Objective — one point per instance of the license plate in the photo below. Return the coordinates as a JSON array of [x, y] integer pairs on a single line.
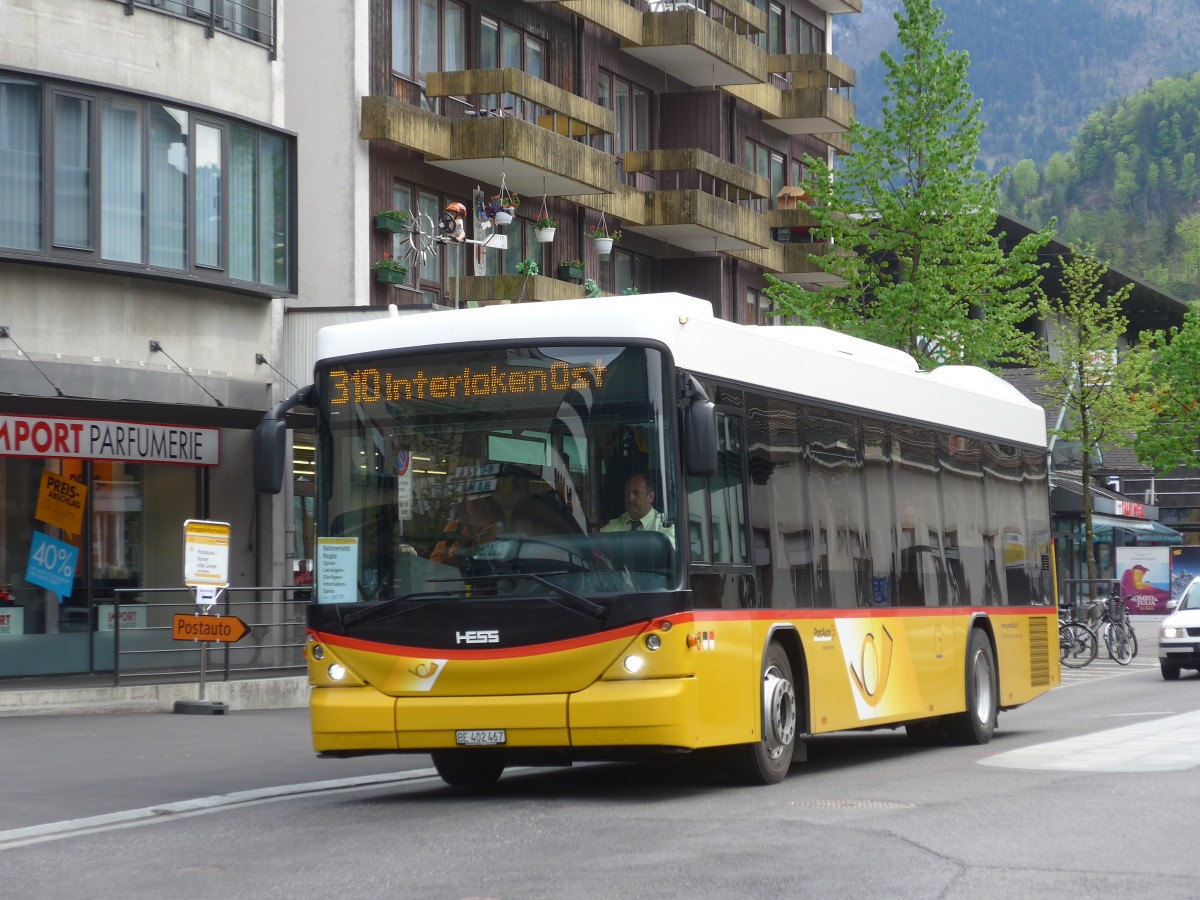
[[480, 738]]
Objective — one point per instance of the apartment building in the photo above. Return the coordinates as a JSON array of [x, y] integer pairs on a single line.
[[677, 124]]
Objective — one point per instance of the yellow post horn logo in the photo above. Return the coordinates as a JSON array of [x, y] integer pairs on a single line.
[[875, 665]]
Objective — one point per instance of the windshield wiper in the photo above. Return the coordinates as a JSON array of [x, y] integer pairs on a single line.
[[576, 603], [388, 606]]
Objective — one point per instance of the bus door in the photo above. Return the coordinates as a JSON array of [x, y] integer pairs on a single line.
[[721, 578]]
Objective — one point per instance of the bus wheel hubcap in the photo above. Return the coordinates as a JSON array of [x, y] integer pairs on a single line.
[[779, 712]]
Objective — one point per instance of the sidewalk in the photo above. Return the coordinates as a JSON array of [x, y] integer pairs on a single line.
[[95, 694]]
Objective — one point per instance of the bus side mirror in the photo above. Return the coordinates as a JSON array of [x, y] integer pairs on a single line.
[[699, 430], [270, 442]]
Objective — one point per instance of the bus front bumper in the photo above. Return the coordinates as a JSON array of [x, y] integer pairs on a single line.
[[608, 714]]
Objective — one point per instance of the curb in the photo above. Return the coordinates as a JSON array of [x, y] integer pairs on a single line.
[[266, 693]]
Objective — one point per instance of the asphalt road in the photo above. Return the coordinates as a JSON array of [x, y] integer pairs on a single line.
[[110, 806]]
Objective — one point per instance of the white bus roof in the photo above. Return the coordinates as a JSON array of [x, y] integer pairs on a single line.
[[811, 362]]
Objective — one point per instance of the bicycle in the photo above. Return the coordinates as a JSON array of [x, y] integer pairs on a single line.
[[1109, 620], [1077, 644]]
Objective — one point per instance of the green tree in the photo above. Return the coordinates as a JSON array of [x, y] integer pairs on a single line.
[[1103, 387], [1171, 439], [923, 270], [1025, 180]]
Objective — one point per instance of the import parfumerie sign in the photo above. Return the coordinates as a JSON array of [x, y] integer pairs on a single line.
[[105, 439]]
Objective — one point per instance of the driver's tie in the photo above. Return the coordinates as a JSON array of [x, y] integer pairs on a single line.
[[635, 525]]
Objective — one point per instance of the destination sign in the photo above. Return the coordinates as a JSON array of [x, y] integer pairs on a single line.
[[371, 385]]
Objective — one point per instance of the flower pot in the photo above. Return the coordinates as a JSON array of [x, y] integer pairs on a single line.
[[567, 272], [391, 224], [603, 245], [390, 276], [503, 216], [545, 235]]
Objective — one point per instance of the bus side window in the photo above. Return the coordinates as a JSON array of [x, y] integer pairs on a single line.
[[727, 493]]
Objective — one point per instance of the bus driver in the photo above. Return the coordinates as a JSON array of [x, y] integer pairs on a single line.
[[640, 514]]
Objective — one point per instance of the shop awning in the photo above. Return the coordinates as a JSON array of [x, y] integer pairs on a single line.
[[1143, 530]]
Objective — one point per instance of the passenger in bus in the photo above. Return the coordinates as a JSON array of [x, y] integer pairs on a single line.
[[302, 579], [640, 514], [479, 520]]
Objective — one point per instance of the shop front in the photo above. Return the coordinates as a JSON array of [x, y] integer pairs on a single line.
[[91, 506], [1120, 526]]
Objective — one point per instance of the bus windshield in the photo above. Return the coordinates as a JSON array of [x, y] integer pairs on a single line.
[[495, 472]]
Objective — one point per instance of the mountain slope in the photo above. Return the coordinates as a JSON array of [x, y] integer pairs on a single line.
[[1039, 66]]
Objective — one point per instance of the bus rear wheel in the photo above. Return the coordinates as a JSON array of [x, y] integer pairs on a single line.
[[978, 723], [469, 768], [767, 761]]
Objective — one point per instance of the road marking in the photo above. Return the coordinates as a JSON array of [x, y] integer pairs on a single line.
[[1164, 745], [131, 818]]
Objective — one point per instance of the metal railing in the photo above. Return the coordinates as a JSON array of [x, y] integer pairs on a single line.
[[144, 646], [251, 20]]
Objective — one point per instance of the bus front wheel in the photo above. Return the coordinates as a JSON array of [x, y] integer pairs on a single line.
[[767, 761], [978, 723], [469, 768]]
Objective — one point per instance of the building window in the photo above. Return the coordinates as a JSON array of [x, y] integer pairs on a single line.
[[755, 310], [203, 198], [804, 37], [775, 32], [770, 164], [72, 171], [625, 270], [631, 105], [428, 36], [501, 46], [402, 198]]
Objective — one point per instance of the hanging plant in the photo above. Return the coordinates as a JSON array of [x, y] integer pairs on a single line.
[[503, 204], [603, 238], [544, 228], [600, 232]]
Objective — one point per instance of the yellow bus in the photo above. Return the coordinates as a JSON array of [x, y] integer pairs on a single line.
[[621, 528]]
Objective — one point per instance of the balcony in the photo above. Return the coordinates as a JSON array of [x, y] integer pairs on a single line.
[[542, 149], [700, 47], [698, 206], [792, 262], [815, 103], [699, 50], [835, 7], [486, 290]]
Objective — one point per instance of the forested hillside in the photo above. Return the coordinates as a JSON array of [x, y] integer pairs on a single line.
[[1129, 186], [1039, 66], [1094, 103]]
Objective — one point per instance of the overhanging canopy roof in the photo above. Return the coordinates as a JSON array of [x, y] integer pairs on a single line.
[[1144, 530]]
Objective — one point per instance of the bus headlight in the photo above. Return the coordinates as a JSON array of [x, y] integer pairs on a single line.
[[633, 664], [653, 642], [337, 672], [318, 652]]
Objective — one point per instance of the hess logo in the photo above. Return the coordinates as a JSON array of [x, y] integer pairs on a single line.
[[477, 637]]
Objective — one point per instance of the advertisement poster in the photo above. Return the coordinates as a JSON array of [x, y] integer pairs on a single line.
[[1185, 566], [1145, 579]]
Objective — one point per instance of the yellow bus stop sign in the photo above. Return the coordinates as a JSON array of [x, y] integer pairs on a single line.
[[205, 553]]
